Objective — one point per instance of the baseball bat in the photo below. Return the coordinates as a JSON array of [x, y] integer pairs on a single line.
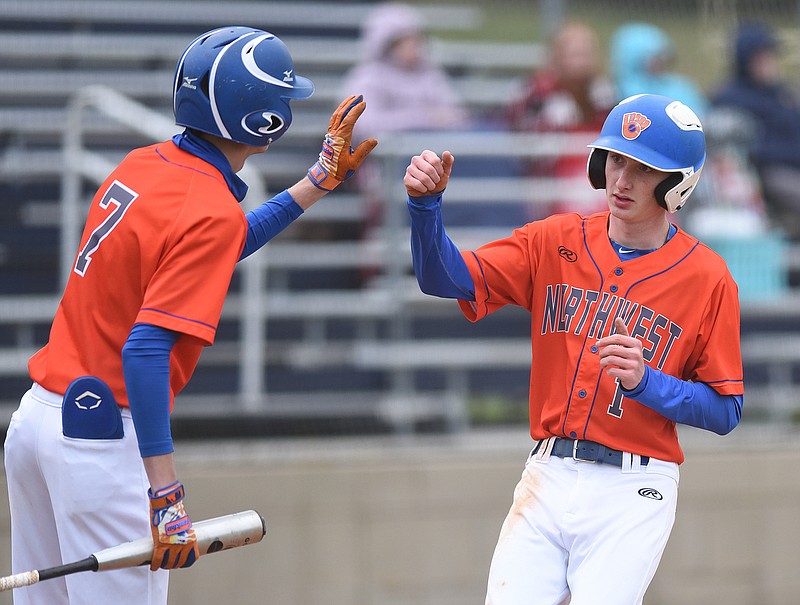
[[213, 535]]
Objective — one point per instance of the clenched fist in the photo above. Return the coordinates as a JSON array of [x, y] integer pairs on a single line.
[[428, 173]]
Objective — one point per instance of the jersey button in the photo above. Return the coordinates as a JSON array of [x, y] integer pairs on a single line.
[[613, 288], [573, 434], [618, 271], [594, 349], [582, 393]]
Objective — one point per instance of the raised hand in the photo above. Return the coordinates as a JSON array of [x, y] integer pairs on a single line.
[[338, 160]]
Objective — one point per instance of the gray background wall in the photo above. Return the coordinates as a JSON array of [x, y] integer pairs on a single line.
[[396, 522]]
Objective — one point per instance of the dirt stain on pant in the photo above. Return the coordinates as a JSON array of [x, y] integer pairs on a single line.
[[525, 498]]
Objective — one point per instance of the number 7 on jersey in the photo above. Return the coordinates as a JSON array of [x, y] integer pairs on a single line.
[[122, 197]]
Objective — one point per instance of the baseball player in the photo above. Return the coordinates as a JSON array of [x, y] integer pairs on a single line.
[[89, 454], [634, 328]]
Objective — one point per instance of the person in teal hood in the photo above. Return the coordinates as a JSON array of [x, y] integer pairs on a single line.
[[642, 57]]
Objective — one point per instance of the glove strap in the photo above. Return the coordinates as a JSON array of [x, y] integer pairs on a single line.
[[323, 173], [164, 499]]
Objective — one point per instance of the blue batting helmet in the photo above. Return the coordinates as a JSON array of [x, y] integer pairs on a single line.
[[659, 132], [236, 83]]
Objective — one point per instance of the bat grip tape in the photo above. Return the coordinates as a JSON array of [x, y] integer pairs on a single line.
[[88, 564]]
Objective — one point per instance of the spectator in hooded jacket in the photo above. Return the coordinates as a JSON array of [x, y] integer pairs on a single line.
[[758, 91], [642, 59], [406, 91]]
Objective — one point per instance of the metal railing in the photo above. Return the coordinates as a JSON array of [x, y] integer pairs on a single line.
[[252, 306], [392, 298]]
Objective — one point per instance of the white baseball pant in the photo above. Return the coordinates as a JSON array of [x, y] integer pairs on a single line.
[[70, 498], [583, 533]]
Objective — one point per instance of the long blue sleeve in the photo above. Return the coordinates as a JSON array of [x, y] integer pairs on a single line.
[[692, 403], [145, 363], [438, 265], [268, 220]]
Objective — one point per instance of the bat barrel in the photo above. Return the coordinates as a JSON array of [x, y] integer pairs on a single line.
[[230, 531], [213, 535]]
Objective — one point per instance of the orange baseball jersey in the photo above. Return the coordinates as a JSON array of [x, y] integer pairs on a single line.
[[161, 241], [680, 301]]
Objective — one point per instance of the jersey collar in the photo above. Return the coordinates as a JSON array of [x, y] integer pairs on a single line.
[[191, 143], [624, 253]]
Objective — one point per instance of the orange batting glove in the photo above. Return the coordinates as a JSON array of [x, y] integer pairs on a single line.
[[174, 540], [338, 160]]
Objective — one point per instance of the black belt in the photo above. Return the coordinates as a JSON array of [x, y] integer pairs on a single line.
[[587, 451]]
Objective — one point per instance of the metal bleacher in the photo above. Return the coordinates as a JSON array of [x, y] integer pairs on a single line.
[[305, 339], [319, 333]]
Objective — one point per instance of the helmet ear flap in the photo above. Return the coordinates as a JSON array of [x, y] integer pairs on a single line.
[[596, 168], [665, 186]]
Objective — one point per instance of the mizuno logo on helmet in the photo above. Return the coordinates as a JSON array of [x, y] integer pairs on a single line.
[[633, 124], [249, 62], [287, 75], [189, 82]]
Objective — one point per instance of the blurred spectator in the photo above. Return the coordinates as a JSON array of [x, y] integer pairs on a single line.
[[763, 97], [642, 61], [729, 202], [571, 93], [404, 90]]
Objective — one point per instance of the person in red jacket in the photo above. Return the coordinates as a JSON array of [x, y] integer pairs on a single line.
[[569, 94]]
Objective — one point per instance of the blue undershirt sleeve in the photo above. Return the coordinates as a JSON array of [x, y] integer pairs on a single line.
[[438, 265], [268, 220], [692, 403], [145, 363]]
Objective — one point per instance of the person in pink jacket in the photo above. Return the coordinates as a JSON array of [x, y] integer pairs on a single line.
[[406, 89]]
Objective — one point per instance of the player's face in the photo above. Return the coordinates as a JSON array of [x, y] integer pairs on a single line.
[[630, 188]]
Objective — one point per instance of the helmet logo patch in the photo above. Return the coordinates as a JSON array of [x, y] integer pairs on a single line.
[[633, 124], [262, 122], [287, 76], [189, 82]]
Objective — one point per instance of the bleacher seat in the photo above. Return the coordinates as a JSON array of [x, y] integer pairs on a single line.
[[346, 332]]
